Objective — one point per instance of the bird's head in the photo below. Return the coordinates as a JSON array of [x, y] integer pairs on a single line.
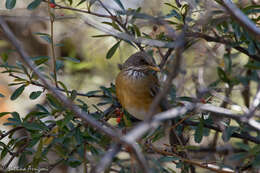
[[140, 64]]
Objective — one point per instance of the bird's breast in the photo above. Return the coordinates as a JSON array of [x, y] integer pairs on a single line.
[[134, 93]]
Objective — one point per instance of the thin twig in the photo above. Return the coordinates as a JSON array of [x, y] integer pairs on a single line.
[[52, 16], [192, 162], [10, 131], [165, 57], [106, 159]]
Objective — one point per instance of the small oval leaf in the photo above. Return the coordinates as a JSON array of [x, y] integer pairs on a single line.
[[34, 4], [112, 50], [17, 92], [9, 4], [119, 3], [34, 95]]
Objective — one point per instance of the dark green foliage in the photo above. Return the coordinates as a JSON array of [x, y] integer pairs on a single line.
[[9, 4]]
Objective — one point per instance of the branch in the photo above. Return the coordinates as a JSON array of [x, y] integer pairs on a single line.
[[67, 103], [79, 10], [52, 17], [114, 134], [174, 70], [127, 37], [10, 131], [242, 19], [192, 162]]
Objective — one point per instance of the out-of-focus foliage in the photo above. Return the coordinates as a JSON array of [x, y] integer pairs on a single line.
[[219, 56]]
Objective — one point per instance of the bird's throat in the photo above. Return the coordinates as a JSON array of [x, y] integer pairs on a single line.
[[135, 74]]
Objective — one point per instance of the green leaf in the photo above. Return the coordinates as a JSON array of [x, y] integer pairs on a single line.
[[73, 95], [34, 4], [243, 146], [70, 1], [91, 2], [75, 60], [9, 4], [137, 31], [199, 132], [3, 153], [22, 162], [92, 93], [34, 126], [120, 4], [15, 120], [168, 159], [34, 95], [113, 24], [222, 75], [254, 65], [44, 36], [64, 87], [42, 108], [112, 50], [73, 162], [53, 101], [38, 60], [175, 14], [254, 150], [102, 35], [17, 92], [4, 113], [4, 56], [238, 156], [1, 95], [81, 2], [256, 162], [251, 48], [228, 133], [172, 6]]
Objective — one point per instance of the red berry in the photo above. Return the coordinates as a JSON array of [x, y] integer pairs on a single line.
[[117, 111], [203, 101], [52, 5], [118, 119]]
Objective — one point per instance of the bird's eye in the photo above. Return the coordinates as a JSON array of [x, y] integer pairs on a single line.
[[142, 61]]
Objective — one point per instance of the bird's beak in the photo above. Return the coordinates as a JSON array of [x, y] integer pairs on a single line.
[[154, 68]]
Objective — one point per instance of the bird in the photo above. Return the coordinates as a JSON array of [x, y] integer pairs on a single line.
[[137, 85]]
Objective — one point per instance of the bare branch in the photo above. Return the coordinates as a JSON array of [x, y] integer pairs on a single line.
[[127, 37]]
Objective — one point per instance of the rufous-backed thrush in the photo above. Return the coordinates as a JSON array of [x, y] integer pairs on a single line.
[[137, 85]]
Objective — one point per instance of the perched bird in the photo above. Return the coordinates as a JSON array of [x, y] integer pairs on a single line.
[[137, 85]]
